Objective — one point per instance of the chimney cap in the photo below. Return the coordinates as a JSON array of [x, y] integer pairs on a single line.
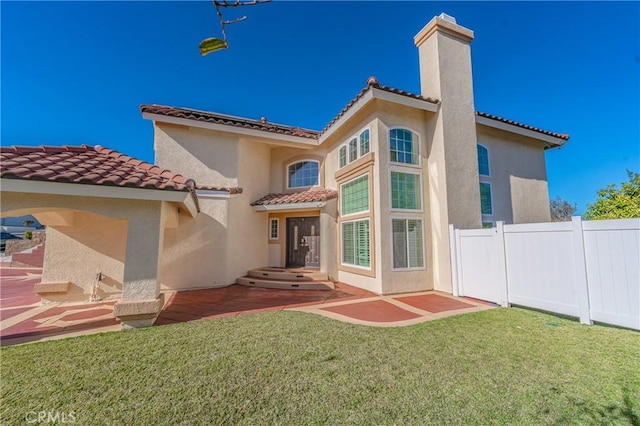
[[263, 120], [447, 18]]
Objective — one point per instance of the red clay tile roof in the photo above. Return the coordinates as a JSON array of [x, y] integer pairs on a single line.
[[211, 117], [233, 190], [562, 136], [297, 197], [373, 82], [87, 165]]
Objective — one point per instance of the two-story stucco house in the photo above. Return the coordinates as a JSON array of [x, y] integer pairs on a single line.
[[367, 200]]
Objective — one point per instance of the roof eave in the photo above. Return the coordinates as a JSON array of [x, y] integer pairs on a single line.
[[312, 205], [272, 137], [90, 190], [549, 140]]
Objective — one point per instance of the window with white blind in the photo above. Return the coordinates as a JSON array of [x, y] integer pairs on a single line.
[[354, 195], [405, 191], [356, 249], [408, 244]]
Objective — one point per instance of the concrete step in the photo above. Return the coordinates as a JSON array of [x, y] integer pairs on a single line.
[[284, 284], [302, 275]]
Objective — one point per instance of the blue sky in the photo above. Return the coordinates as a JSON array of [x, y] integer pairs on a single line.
[[76, 72]]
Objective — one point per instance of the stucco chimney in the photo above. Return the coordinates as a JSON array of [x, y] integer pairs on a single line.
[[445, 74]]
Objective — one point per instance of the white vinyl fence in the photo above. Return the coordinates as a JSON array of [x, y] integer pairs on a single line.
[[586, 269]]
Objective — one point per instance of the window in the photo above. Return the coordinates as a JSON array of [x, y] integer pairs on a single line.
[[403, 146], [354, 195], [355, 243], [343, 156], [357, 146], [274, 229], [405, 191], [483, 161], [303, 174], [407, 243], [364, 142], [353, 150], [485, 198]]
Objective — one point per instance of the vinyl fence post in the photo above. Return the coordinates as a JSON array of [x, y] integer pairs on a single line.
[[454, 261], [503, 284], [580, 268]]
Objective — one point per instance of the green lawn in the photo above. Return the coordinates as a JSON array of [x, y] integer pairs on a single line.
[[502, 366]]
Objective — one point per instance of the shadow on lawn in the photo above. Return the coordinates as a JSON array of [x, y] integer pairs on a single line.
[[624, 412]]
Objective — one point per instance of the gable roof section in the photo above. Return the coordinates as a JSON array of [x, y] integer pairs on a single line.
[[319, 195], [87, 165], [372, 83]]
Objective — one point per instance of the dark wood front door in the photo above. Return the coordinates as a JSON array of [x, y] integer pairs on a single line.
[[303, 242]]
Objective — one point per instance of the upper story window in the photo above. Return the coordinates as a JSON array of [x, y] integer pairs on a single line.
[[483, 161], [405, 191], [304, 174], [404, 146], [354, 195], [355, 148]]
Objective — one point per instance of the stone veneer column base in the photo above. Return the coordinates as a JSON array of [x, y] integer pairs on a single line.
[[138, 313]]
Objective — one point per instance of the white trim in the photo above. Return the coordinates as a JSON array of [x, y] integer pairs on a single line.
[[345, 144], [424, 259], [419, 153], [350, 265], [286, 173], [277, 221], [412, 171], [313, 205], [488, 161], [208, 194], [100, 191], [368, 196], [497, 124], [355, 108], [295, 141]]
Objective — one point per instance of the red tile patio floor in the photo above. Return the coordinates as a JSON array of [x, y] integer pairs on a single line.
[[24, 318], [375, 311], [238, 299]]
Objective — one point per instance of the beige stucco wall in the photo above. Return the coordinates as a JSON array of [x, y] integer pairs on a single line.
[[211, 159], [282, 157], [226, 239], [397, 116], [91, 244], [87, 235], [518, 176]]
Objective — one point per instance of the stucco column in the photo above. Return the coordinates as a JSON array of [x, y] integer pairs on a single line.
[[141, 299], [445, 74], [328, 240]]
